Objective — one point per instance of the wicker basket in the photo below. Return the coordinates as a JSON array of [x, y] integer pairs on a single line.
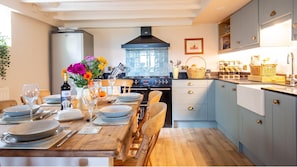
[[263, 70], [195, 72]]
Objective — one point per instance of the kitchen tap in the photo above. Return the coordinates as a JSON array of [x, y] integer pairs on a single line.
[[293, 80]]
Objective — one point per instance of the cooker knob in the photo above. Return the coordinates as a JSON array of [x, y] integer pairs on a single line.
[[136, 82]]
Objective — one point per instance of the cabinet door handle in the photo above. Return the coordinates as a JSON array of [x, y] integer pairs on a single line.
[[259, 121], [190, 84], [275, 101], [294, 25], [223, 86], [190, 108], [273, 13], [190, 92], [233, 89], [254, 38]]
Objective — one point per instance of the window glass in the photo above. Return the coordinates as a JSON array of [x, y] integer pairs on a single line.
[[5, 28]]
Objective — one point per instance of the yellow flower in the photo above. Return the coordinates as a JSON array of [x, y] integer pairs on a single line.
[[101, 66], [102, 60]]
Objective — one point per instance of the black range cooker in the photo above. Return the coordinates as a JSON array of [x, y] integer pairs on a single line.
[[144, 85]]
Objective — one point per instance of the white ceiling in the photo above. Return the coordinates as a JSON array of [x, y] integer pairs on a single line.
[[126, 13]]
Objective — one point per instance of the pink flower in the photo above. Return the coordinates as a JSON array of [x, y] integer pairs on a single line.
[[77, 68]]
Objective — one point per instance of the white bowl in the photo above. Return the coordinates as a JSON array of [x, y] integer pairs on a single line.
[[19, 110], [53, 99], [34, 130], [115, 111]]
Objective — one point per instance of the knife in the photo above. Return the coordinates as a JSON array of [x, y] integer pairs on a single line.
[[66, 138]]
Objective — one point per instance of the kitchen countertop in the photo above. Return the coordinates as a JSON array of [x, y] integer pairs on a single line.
[[280, 88]]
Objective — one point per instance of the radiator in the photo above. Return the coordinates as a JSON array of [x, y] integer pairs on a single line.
[[4, 93]]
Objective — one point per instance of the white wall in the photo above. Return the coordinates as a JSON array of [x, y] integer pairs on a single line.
[[108, 42], [29, 55]]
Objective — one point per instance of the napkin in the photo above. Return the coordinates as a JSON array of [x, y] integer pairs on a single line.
[[90, 130], [67, 115]]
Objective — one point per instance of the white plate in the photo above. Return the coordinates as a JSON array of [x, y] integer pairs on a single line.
[[19, 110], [115, 111], [34, 130]]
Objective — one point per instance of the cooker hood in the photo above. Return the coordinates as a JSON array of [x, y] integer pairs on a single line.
[[146, 40]]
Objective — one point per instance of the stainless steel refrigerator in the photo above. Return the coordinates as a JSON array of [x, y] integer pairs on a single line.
[[68, 48]]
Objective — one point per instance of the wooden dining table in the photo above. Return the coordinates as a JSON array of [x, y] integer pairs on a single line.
[[100, 149]]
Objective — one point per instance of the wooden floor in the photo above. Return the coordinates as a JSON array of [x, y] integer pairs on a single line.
[[195, 147]]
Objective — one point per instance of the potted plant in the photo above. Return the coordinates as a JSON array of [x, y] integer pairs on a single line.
[[4, 57]]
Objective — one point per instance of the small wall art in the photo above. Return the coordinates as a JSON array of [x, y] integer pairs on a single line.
[[194, 46]]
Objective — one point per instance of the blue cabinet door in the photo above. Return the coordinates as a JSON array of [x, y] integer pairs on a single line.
[[227, 110], [253, 138], [280, 110]]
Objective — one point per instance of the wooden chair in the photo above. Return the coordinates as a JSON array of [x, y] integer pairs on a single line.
[[42, 93], [7, 103], [150, 131], [153, 98]]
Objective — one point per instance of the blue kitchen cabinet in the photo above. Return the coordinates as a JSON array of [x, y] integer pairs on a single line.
[[253, 137], [245, 26], [280, 110], [226, 109], [193, 103], [271, 10]]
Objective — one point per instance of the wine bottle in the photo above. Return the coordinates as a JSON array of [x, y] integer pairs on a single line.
[[65, 93]]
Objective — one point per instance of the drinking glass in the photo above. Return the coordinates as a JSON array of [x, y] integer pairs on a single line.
[[90, 96], [30, 94], [112, 80]]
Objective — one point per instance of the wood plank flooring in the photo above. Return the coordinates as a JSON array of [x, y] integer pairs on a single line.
[[195, 147]]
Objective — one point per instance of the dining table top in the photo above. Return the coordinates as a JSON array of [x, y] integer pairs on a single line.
[[109, 142]]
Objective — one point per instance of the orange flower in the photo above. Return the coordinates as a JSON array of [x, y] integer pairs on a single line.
[[88, 75]]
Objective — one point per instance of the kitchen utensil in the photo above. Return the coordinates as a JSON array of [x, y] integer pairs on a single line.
[[69, 135]]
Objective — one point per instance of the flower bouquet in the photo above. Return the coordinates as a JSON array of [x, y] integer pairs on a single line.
[[86, 70]]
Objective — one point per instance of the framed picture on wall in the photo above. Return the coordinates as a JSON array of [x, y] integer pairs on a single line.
[[194, 46]]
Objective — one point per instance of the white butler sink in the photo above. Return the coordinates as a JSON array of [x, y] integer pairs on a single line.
[[251, 97]]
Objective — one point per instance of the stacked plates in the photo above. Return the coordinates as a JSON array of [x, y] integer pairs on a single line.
[[115, 113], [31, 131], [53, 99], [128, 97], [19, 110]]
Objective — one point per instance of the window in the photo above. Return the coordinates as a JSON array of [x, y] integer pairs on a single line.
[[5, 28]]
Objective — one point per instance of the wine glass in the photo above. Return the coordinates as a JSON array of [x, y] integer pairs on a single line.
[[90, 96], [112, 80], [30, 94]]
